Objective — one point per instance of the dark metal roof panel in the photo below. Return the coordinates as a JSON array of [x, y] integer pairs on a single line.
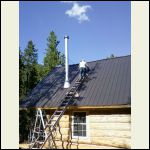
[[109, 83]]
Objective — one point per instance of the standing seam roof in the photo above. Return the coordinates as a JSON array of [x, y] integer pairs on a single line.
[[108, 83]]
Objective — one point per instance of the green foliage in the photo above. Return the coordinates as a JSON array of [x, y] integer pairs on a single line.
[[30, 73], [26, 122], [53, 56], [30, 62], [40, 71], [111, 56], [28, 78], [33, 78], [30, 54], [62, 59], [22, 77]]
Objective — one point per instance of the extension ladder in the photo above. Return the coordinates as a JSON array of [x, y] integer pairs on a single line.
[[50, 126]]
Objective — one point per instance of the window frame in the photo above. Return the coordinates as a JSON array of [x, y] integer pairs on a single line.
[[87, 125]]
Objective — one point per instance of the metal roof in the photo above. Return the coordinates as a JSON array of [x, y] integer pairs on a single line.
[[109, 83]]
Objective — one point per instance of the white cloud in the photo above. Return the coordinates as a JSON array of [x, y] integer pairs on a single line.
[[79, 12], [69, 2]]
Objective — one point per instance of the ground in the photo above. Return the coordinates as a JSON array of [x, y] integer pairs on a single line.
[[23, 146]]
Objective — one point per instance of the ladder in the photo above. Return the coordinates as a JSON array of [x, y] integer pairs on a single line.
[[50, 126], [38, 131]]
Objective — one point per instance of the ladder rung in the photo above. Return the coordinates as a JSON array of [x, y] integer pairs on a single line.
[[53, 120], [62, 108], [36, 132], [73, 87], [58, 111], [63, 104], [56, 115], [39, 142], [78, 82], [49, 125], [68, 97], [72, 90], [71, 93], [65, 101]]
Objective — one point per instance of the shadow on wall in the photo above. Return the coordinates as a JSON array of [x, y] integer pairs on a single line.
[[66, 142], [69, 140]]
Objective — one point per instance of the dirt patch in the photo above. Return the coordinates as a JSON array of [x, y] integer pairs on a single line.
[[23, 146]]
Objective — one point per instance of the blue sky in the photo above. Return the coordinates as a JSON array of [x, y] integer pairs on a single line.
[[96, 29]]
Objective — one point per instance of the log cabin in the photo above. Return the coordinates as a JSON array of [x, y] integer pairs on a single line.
[[100, 118]]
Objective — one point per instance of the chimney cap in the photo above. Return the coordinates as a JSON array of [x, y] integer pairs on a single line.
[[66, 36]]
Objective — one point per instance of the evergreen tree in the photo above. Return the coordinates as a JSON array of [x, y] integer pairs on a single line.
[[21, 75], [28, 78], [26, 122], [111, 56], [62, 59], [30, 54], [30, 61], [53, 56], [30, 72], [40, 69]]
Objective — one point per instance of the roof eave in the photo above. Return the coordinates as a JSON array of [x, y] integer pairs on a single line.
[[80, 107]]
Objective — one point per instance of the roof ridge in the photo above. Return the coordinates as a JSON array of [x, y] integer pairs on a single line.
[[103, 59]]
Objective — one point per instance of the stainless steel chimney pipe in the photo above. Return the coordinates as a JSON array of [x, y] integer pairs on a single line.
[[66, 84]]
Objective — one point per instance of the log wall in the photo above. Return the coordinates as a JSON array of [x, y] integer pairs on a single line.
[[105, 131]]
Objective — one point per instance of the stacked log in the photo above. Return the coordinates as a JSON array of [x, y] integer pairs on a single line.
[[103, 131]]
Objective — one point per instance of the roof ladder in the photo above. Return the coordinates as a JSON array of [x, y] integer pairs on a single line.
[[50, 126]]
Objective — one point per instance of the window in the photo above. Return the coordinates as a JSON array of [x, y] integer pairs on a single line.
[[79, 124]]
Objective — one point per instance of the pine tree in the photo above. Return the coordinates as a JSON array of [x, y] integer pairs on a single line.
[[40, 69], [62, 59], [26, 122], [30, 72], [21, 75], [53, 56], [28, 78], [111, 56], [30, 61]]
